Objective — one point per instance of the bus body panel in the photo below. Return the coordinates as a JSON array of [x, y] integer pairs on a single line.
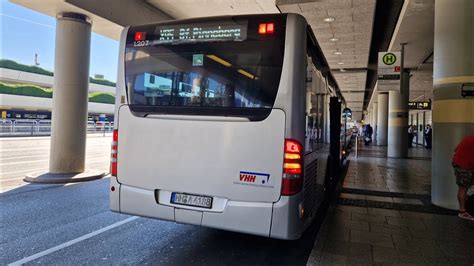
[[114, 195], [237, 160], [286, 222], [235, 217], [246, 217], [291, 95], [141, 202], [121, 93], [161, 154]]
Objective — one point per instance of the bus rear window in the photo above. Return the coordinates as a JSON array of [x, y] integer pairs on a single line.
[[229, 77]]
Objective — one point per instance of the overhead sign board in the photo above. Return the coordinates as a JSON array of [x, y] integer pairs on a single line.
[[467, 89], [389, 70], [419, 105], [210, 31], [347, 112]]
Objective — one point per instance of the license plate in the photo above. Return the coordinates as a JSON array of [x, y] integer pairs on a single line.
[[191, 200]]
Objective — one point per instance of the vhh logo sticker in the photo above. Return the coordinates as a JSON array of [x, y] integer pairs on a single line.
[[254, 179], [247, 178]]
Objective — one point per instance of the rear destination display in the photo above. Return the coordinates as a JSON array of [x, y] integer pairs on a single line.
[[200, 32]]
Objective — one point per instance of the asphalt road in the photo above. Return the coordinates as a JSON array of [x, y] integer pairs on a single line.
[[72, 224], [21, 155]]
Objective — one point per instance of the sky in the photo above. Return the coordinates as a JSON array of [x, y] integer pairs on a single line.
[[25, 32]]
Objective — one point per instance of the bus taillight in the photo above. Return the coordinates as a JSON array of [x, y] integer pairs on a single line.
[[113, 157], [266, 28], [292, 182]]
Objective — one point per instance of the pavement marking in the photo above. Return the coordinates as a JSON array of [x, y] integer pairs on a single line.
[[47, 155], [94, 146], [40, 151], [22, 171], [47, 160], [45, 170], [71, 242]]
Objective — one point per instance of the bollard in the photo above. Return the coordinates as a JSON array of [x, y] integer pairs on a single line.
[[357, 145]]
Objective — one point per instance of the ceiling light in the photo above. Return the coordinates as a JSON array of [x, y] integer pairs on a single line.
[[334, 39], [329, 19], [247, 74], [219, 60], [341, 63], [338, 53]]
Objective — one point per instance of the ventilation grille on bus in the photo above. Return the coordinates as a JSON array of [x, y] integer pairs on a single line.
[[310, 200]]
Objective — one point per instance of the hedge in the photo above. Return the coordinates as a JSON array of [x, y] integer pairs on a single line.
[[25, 90], [4, 63], [101, 97], [9, 64], [102, 82], [37, 91]]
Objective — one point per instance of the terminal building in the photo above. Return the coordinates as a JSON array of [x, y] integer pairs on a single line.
[[26, 93]]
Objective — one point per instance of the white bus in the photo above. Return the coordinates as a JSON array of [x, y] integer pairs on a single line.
[[212, 125]]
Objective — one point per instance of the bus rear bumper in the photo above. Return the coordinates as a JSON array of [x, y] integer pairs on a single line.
[[287, 223], [244, 217]]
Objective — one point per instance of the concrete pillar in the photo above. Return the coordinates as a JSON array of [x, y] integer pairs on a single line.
[[70, 95], [70, 98], [374, 120], [453, 115], [398, 119], [382, 118]]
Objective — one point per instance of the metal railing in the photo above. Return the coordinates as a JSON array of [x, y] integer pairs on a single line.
[[29, 127]]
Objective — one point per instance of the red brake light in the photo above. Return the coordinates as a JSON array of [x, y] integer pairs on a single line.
[[266, 28], [292, 182], [113, 156], [291, 186], [140, 36], [292, 146], [270, 27]]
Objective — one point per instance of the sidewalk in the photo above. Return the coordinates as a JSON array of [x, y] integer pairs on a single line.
[[384, 216]]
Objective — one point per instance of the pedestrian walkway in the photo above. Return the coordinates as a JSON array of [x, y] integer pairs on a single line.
[[371, 170], [384, 216]]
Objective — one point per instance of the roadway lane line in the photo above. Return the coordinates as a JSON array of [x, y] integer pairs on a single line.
[[106, 160], [23, 171], [47, 160], [71, 242], [95, 147], [24, 149], [47, 155], [96, 135]]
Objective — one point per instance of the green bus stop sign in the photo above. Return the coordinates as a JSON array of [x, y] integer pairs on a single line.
[[389, 59]]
